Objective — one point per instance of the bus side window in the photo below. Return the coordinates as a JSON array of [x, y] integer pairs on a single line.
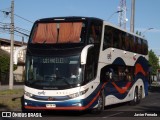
[[136, 44], [145, 47], [120, 38], [95, 33], [139, 46], [108, 37], [131, 43], [127, 42], [92, 35], [123, 41], [90, 66], [115, 38]]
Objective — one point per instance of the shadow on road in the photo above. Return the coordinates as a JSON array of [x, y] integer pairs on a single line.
[[3, 107], [154, 89], [152, 108]]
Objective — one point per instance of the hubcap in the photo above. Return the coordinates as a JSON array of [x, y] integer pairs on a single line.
[[100, 103]]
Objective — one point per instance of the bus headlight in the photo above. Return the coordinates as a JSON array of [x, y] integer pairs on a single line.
[[28, 94], [74, 95]]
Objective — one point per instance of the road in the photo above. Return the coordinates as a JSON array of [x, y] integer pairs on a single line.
[[148, 106]]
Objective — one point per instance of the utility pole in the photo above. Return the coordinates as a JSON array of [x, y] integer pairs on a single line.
[[12, 46], [132, 16], [122, 15]]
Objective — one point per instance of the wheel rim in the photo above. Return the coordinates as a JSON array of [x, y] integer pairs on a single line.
[[100, 103], [140, 94], [135, 97]]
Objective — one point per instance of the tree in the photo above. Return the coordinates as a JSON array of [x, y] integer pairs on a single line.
[[4, 67], [140, 34], [153, 61], [4, 63]]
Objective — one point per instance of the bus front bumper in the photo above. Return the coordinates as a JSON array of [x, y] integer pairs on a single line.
[[69, 105]]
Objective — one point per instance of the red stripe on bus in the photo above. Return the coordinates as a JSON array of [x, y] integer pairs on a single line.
[[139, 68], [122, 90]]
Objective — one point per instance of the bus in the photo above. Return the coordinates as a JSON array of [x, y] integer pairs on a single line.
[[83, 63]]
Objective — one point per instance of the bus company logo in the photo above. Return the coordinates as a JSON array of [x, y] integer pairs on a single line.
[[134, 58], [41, 93], [109, 56]]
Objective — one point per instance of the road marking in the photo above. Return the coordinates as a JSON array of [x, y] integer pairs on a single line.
[[113, 115]]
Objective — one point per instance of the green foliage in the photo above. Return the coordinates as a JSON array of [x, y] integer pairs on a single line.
[[153, 61], [4, 64], [138, 33]]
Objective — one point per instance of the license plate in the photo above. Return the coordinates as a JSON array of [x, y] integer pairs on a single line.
[[50, 105]]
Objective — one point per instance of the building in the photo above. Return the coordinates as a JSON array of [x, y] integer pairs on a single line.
[[5, 49]]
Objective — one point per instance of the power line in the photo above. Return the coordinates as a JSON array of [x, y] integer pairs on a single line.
[[8, 30], [23, 18], [7, 13], [5, 25]]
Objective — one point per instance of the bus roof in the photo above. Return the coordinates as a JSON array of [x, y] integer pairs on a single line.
[[69, 18]]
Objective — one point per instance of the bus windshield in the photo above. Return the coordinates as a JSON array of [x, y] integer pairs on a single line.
[[62, 32], [53, 72]]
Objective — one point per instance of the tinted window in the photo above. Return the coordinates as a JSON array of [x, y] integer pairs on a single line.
[[127, 42], [131, 43], [145, 47], [119, 39], [139, 46], [108, 37], [116, 38], [118, 73]]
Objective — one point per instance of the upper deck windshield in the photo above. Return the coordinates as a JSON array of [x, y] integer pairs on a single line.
[[53, 72], [58, 32]]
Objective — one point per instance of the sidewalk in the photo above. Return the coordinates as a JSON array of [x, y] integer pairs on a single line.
[[6, 87]]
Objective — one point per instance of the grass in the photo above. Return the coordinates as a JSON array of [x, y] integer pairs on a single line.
[[11, 92], [10, 99]]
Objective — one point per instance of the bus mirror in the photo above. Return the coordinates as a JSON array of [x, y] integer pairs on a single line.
[[84, 54]]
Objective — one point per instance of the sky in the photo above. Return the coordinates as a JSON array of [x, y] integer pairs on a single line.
[[146, 15]]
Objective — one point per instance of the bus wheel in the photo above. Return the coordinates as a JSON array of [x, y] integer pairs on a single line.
[[135, 99], [100, 105]]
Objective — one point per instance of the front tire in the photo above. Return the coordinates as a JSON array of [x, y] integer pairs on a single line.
[[100, 104], [135, 99]]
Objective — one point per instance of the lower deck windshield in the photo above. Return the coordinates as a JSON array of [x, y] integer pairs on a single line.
[[53, 72]]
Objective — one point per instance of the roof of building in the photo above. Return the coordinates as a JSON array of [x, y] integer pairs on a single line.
[[6, 42]]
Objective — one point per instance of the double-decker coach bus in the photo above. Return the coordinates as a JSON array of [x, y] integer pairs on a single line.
[[81, 63]]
